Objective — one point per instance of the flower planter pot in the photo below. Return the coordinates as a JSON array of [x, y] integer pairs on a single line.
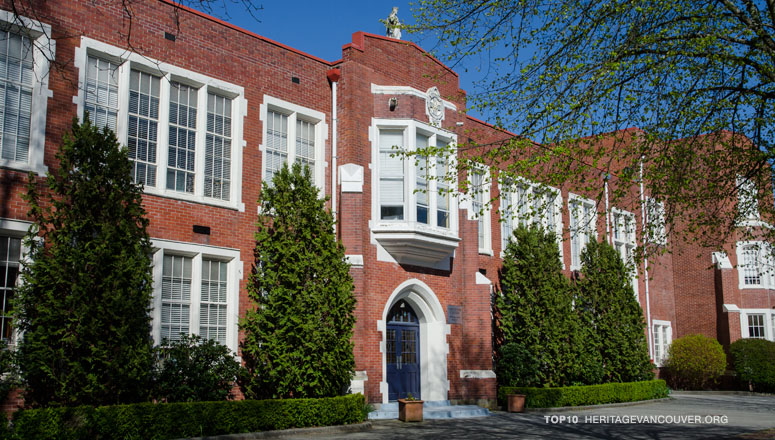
[[410, 410], [516, 402]]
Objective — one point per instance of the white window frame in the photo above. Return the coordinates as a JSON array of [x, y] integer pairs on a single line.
[[622, 220], [128, 61], [44, 49], [655, 222], [574, 229], [411, 129], [765, 264], [666, 329], [747, 199], [485, 247], [197, 253], [295, 112], [16, 229], [509, 202], [769, 322]]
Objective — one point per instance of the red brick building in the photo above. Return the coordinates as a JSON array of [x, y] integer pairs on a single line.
[[209, 111]]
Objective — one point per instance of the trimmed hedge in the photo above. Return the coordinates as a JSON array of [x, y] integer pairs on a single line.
[[158, 421], [754, 362], [587, 395]]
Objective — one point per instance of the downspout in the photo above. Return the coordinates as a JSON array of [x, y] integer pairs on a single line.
[[607, 211], [333, 76], [644, 218]]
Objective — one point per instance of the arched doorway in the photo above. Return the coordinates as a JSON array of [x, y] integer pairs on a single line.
[[402, 352], [423, 312]]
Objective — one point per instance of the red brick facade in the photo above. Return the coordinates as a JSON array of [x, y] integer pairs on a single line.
[[373, 70]]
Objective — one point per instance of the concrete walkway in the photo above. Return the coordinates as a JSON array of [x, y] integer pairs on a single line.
[[684, 416]]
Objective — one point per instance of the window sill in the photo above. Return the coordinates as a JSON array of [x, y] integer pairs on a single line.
[[415, 243], [754, 223], [169, 194], [38, 169]]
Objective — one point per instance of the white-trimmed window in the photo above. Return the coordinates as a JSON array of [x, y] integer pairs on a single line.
[[655, 222], [11, 256], [663, 336], [624, 235], [479, 189], [526, 203], [758, 323], [583, 226], [196, 292], [747, 199], [292, 134], [755, 268], [25, 53], [183, 130], [412, 189]]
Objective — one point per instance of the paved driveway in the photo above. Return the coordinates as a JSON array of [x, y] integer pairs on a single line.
[[685, 416]]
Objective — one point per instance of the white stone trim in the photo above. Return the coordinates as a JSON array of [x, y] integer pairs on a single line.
[[721, 260], [477, 374], [293, 111], [44, 49], [354, 260], [406, 90], [351, 178], [168, 72], [197, 252], [434, 347], [731, 308], [486, 247]]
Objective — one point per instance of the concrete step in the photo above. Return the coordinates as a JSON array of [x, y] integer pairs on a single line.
[[439, 409]]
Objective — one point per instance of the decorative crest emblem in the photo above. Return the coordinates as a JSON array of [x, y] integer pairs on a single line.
[[434, 106]]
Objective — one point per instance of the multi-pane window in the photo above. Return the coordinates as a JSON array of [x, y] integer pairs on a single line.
[[524, 203], [179, 127], [480, 196], [662, 338], [755, 265], [182, 138], [422, 174], [102, 92], [218, 147], [175, 297], [412, 188], [195, 292], [655, 222], [305, 145], [292, 134], [16, 83], [10, 255], [213, 307], [747, 199], [391, 175], [756, 325], [583, 228], [144, 90], [624, 235], [443, 189], [276, 144]]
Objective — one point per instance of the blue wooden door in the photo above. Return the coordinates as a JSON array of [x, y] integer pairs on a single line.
[[402, 352]]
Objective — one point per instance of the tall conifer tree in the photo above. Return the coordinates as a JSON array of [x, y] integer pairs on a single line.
[[298, 339], [608, 307], [83, 305]]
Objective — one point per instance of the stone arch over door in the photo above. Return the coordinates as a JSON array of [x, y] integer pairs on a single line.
[[433, 339]]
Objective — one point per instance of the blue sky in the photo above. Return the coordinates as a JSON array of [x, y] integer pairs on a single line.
[[322, 28]]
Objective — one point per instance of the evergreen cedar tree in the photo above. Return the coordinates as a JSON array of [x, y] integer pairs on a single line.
[[553, 333], [83, 303], [607, 306], [298, 338]]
